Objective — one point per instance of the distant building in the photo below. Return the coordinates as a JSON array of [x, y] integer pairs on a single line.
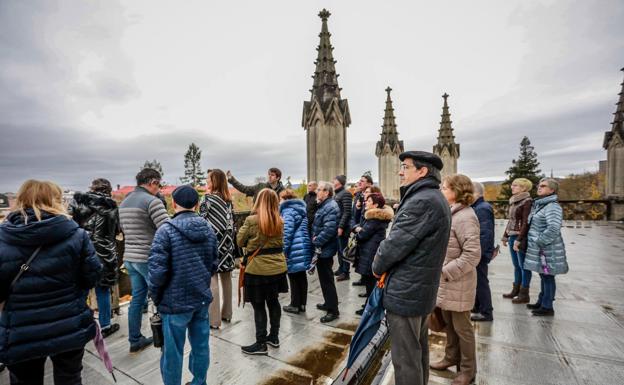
[[4, 201], [388, 149], [614, 144], [326, 116], [446, 148]]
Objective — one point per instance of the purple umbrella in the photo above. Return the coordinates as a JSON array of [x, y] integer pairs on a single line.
[[100, 346]]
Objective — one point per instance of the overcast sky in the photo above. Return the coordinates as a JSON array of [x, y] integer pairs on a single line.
[[94, 88]]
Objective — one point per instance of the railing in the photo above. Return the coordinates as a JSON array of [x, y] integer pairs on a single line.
[[584, 210]]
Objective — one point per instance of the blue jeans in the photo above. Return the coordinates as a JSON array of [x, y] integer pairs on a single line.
[[521, 276], [138, 280], [547, 292], [103, 297], [174, 331], [343, 241]]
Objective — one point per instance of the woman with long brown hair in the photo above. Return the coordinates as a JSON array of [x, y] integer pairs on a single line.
[[50, 295], [216, 207], [265, 275]]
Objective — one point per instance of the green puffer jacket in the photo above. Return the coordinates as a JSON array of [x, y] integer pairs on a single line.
[[545, 235]]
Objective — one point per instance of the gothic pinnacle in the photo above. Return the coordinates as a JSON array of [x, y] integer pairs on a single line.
[[324, 14]]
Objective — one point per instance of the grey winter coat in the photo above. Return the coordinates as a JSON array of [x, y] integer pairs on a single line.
[[414, 250], [140, 214], [545, 235]]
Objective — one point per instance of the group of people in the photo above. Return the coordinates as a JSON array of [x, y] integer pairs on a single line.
[[434, 246]]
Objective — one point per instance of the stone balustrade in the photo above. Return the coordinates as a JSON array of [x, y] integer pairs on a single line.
[[585, 210]]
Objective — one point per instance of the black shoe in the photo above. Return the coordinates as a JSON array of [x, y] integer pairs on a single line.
[[474, 310], [342, 277], [359, 312], [543, 312], [337, 273], [273, 341], [143, 343], [321, 306], [329, 317], [291, 309], [534, 306], [357, 283], [481, 318], [256, 349], [302, 308], [227, 320], [110, 330], [362, 295]]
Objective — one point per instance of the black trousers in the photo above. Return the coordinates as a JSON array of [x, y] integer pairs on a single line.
[[328, 285], [298, 288], [483, 301], [260, 318], [67, 369], [369, 282]]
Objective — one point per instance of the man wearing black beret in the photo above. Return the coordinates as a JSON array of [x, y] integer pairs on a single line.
[[412, 256]]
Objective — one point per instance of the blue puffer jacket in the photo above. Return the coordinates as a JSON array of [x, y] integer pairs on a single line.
[[182, 260], [485, 214], [46, 312], [545, 235], [325, 228], [297, 244]]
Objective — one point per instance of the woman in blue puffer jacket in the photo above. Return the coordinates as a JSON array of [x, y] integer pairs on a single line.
[[297, 248], [546, 253], [45, 312]]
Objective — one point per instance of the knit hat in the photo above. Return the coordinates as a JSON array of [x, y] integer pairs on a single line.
[[342, 179], [185, 196]]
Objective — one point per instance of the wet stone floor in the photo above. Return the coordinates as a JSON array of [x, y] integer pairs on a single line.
[[582, 344]]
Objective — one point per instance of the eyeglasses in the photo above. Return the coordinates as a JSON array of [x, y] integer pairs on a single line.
[[542, 186], [406, 166]]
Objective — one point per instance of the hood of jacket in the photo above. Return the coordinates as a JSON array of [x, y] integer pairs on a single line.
[[85, 204], [540, 202], [31, 232], [294, 204], [383, 214], [191, 226]]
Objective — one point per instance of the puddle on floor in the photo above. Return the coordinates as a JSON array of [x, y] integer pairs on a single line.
[[320, 360]]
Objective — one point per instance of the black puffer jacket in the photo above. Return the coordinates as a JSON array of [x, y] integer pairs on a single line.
[[414, 251], [373, 232], [344, 200], [46, 312], [99, 216]]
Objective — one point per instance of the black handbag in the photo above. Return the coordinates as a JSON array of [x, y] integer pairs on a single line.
[[157, 330], [350, 252]]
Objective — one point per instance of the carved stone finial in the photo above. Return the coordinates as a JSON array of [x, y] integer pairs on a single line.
[[445, 96], [388, 90], [324, 14]]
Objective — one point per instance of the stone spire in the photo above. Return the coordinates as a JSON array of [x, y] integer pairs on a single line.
[[326, 116], [614, 144], [446, 148], [389, 134], [388, 149]]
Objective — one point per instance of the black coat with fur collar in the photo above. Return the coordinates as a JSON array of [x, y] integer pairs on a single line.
[[373, 232], [99, 216]]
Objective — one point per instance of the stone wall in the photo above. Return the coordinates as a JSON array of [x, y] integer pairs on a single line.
[[588, 210]]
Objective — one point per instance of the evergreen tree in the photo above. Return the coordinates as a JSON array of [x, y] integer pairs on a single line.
[[192, 166], [526, 166], [154, 164]]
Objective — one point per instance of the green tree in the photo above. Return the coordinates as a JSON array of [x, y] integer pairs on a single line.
[[302, 190], [154, 164], [192, 166], [526, 166]]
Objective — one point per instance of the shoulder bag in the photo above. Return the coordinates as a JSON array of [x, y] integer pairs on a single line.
[[22, 270]]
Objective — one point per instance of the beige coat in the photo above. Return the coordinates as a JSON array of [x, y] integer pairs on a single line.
[[458, 283]]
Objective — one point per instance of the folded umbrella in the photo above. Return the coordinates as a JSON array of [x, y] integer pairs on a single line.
[[100, 346], [371, 319]]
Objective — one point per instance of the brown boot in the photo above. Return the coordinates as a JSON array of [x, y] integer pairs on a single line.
[[463, 379], [443, 365], [514, 292], [523, 296]]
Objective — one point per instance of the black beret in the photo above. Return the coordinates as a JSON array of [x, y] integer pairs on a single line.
[[423, 156]]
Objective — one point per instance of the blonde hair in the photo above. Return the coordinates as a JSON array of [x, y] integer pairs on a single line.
[[40, 196], [526, 184], [462, 187], [270, 222]]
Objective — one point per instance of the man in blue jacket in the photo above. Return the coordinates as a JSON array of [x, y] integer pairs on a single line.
[[182, 261], [483, 303]]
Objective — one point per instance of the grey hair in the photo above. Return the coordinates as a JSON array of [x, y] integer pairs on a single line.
[[478, 189], [326, 186], [552, 184]]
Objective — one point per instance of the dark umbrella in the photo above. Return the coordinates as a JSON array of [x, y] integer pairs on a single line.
[[373, 314]]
